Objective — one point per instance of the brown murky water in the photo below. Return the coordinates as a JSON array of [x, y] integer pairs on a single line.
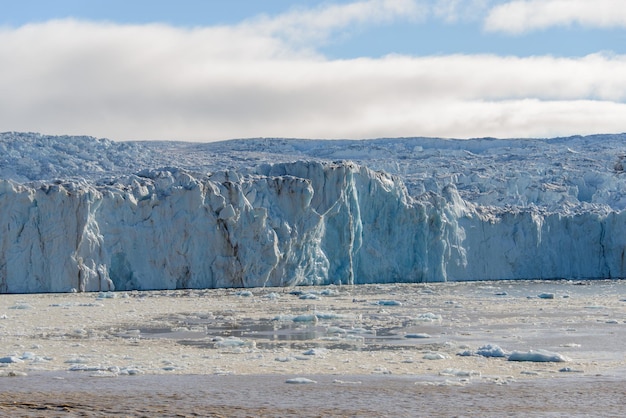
[[339, 396], [380, 350]]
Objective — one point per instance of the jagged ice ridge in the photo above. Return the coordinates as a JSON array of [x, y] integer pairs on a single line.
[[93, 214]]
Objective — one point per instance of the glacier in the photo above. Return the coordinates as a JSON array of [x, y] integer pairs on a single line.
[[87, 214]]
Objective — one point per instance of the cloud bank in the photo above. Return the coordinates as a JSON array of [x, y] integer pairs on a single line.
[[521, 16], [266, 78]]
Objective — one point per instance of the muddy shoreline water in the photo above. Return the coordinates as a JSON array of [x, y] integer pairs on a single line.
[[401, 350], [269, 395]]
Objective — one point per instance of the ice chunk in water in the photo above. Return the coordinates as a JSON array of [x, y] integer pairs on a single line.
[[537, 356], [490, 350], [300, 380]]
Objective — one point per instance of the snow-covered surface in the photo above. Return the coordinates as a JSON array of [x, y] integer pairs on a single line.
[[93, 214]]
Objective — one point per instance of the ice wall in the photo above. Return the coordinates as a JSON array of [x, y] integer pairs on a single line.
[[283, 224], [295, 223]]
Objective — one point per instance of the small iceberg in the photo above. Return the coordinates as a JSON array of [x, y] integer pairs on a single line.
[[428, 317], [490, 350], [244, 294], [459, 373], [232, 342], [435, 356], [10, 359], [418, 335], [538, 356], [305, 318], [388, 303], [315, 352], [300, 381]]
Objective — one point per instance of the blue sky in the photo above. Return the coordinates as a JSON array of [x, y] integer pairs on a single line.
[[209, 70], [425, 37]]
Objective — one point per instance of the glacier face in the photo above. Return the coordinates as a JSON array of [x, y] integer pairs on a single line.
[[89, 214], [291, 223]]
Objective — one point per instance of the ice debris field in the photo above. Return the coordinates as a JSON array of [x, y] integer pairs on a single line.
[[481, 331], [497, 348], [86, 214]]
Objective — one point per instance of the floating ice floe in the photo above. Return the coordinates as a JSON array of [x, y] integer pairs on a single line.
[[359, 330], [76, 360], [388, 303], [444, 383], [300, 381], [21, 305], [34, 358], [435, 356], [244, 293], [13, 373], [570, 345], [103, 371], [537, 356], [491, 350], [459, 373], [87, 368], [570, 370], [530, 372], [315, 352], [335, 330], [130, 372], [234, 342], [348, 382], [129, 333], [305, 318], [314, 317], [355, 338], [11, 359], [428, 317], [418, 335], [329, 315], [283, 318]]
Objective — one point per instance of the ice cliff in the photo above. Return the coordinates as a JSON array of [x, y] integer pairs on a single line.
[[88, 214]]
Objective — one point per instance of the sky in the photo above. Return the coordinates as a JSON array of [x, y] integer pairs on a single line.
[[199, 70]]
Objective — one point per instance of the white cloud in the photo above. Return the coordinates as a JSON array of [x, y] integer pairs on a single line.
[[301, 26], [521, 16], [249, 80]]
